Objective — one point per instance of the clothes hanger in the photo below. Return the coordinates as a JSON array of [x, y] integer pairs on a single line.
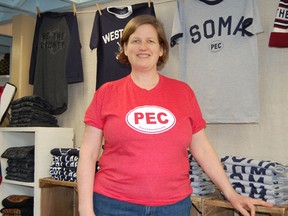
[[74, 9], [99, 9], [38, 11]]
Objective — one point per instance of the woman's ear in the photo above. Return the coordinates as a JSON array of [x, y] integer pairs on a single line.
[[161, 51], [125, 49]]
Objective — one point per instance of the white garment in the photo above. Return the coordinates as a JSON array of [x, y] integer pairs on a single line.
[[218, 57], [275, 167]]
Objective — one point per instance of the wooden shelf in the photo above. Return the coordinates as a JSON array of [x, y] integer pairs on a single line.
[[54, 197], [49, 182], [213, 205], [58, 197], [43, 139]]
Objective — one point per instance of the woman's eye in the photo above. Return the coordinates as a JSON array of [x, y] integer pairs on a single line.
[[135, 41]]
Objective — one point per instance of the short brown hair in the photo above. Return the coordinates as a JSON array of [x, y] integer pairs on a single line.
[[131, 27]]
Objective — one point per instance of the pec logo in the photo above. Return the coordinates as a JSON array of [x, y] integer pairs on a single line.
[[150, 119], [216, 46]]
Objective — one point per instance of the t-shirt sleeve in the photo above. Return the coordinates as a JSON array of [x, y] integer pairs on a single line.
[[258, 28], [197, 120], [177, 32], [95, 35], [33, 59], [93, 115]]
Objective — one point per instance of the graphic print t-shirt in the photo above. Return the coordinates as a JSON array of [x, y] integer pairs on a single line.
[[219, 57], [56, 58], [147, 134], [105, 36]]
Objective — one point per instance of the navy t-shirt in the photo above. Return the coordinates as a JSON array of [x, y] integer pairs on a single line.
[[106, 33]]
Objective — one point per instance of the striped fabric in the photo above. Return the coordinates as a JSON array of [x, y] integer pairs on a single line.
[[279, 34], [262, 179]]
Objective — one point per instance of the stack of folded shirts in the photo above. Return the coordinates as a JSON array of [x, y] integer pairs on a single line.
[[32, 111], [199, 181], [20, 162], [64, 164], [261, 179], [5, 65], [21, 205]]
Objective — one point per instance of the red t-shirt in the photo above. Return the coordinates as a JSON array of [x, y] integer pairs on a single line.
[[147, 134]]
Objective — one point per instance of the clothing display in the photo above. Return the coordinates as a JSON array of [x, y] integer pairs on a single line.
[[7, 96], [200, 182], [258, 178], [146, 133], [218, 57], [5, 64], [105, 36], [32, 111], [275, 167], [279, 34], [56, 58], [20, 162], [146, 123], [64, 164], [17, 205], [262, 179]]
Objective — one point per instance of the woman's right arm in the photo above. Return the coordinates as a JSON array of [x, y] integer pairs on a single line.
[[89, 153]]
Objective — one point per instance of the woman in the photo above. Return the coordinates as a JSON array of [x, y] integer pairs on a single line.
[[148, 122]]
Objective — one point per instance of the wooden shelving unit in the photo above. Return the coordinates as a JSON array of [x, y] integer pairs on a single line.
[[44, 139]]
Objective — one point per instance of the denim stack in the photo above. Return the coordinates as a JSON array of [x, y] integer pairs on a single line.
[[32, 111], [5, 64], [20, 162]]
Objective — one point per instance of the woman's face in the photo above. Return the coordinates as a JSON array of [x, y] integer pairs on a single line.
[[143, 49]]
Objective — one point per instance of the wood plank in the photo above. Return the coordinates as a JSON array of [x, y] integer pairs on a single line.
[[279, 210], [49, 182], [58, 197]]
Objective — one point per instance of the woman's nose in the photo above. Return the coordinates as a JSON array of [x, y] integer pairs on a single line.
[[143, 45]]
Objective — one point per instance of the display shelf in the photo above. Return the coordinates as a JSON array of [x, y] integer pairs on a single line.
[[26, 184], [58, 197], [44, 139], [214, 205]]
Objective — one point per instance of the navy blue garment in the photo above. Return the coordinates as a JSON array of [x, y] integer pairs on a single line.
[[105, 36], [32, 111], [106, 206], [20, 163], [56, 58]]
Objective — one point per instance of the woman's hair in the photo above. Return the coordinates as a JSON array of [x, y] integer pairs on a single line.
[[131, 27]]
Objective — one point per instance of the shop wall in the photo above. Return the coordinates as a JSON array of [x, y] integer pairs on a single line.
[[266, 140], [6, 29]]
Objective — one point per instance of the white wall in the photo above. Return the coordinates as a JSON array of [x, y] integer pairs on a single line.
[[266, 140]]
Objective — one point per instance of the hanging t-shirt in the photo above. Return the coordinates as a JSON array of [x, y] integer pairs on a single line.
[[106, 33], [219, 57], [56, 58], [145, 159], [279, 34]]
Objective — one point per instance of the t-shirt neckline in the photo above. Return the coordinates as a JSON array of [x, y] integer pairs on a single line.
[[120, 12], [135, 86]]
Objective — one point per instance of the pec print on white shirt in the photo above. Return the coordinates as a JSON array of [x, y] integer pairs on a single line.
[[150, 119]]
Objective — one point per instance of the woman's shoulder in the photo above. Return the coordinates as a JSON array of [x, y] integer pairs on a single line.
[[175, 82], [113, 84]]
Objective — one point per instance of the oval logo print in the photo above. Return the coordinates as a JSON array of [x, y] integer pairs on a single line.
[[216, 46], [150, 119]]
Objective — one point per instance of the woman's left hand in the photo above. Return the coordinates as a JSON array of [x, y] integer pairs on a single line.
[[246, 205]]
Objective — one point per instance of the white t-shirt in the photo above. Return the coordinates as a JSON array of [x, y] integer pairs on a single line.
[[219, 57]]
